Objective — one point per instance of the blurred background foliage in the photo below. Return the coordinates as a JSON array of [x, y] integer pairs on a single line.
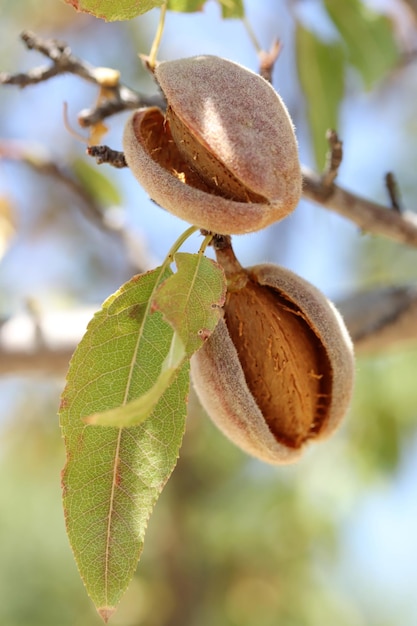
[[232, 542]]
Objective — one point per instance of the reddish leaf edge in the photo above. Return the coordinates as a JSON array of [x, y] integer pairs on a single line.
[[106, 612]]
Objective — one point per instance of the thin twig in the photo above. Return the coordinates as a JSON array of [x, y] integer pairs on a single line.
[[119, 96], [393, 191], [104, 154], [63, 61], [333, 158], [35, 157], [268, 59], [369, 216]]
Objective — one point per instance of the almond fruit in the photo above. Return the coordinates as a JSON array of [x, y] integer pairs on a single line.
[[278, 370], [224, 155]]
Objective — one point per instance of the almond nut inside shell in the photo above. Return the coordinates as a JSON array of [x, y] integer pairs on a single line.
[[224, 157], [285, 364], [278, 370]]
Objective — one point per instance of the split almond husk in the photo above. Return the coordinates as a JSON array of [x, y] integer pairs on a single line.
[[224, 156], [278, 371]]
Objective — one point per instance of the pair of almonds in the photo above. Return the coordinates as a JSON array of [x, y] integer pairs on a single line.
[[278, 370]]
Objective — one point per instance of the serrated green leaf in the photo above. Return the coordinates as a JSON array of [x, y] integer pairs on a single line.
[[230, 8], [190, 300], [137, 411], [186, 6], [368, 36], [96, 183], [112, 10], [113, 476], [321, 74]]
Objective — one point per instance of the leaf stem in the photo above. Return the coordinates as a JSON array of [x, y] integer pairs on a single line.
[[177, 245], [251, 34], [158, 36], [206, 242]]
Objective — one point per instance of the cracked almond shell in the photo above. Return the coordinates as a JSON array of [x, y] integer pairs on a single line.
[[224, 155], [278, 370]]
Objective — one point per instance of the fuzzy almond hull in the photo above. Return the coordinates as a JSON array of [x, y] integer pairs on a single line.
[[222, 388], [201, 208]]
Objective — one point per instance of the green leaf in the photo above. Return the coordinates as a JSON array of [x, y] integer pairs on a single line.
[[368, 36], [113, 476], [186, 6], [321, 73], [191, 301], [230, 8], [112, 10], [96, 183], [136, 412], [192, 298]]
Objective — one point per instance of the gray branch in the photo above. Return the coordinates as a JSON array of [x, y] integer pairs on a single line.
[[369, 216], [42, 344]]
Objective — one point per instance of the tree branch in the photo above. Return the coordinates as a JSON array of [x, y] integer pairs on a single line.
[[104, 154], [369, 216], [393, 191], [380, 318], [119, 97], [412, 5], [36, 157], [43, 362], [42, 343]]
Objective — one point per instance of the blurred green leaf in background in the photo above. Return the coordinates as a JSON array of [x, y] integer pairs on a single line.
[[320, 68], [366, 42], [368, 37]]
